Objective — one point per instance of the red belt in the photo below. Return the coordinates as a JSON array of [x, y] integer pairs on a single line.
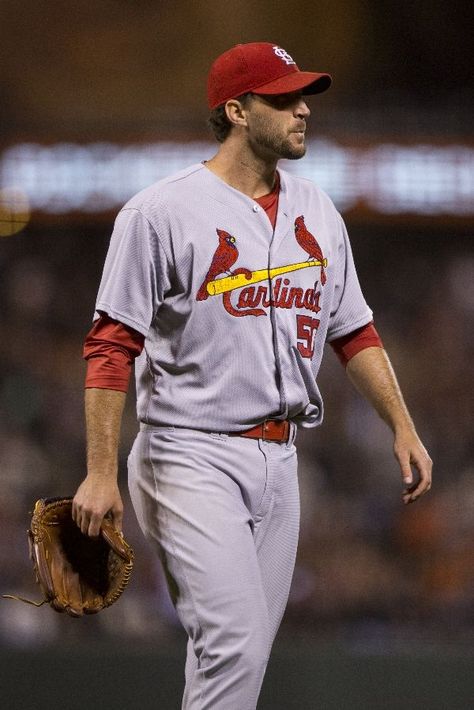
[[269, 430]]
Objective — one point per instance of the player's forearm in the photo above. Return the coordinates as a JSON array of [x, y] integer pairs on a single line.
[[372, 374], [103, 411]]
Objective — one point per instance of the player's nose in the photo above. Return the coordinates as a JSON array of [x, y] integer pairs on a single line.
[[302, 109]]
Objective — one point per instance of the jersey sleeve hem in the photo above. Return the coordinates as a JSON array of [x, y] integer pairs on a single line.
[[348, 328], [103, 384], [121, 317]]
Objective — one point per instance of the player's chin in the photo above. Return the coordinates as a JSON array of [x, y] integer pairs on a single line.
[[294, 149], [294, 152]]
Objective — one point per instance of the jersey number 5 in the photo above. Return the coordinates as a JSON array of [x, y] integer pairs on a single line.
[[306, 328]]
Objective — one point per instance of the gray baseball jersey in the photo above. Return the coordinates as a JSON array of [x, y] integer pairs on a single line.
[[235, 313]]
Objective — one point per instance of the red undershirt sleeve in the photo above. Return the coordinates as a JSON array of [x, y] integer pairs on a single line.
[[110, 348], [349, 345]]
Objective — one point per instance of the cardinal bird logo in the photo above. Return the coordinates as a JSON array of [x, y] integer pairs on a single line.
[[309, 243], [224, 258]]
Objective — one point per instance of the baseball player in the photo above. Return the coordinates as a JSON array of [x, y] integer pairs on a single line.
[[222, 283]]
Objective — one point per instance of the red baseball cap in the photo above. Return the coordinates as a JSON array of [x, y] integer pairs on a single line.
[[259, 68]]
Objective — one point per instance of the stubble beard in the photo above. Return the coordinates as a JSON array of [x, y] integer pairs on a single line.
[[292, 152], [268, 141]]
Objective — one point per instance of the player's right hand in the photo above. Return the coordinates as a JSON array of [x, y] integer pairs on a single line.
[[94, 499], [411, 453]]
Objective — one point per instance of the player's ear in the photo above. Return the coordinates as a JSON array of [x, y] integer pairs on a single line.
[[236, 112]]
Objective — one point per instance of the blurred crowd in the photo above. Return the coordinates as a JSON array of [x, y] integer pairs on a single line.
[[367, 567]]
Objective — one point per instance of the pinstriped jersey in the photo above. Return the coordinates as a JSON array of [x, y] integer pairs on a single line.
[[235, 313]]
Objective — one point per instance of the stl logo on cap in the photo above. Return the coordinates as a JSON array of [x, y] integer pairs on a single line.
[[283, 54]]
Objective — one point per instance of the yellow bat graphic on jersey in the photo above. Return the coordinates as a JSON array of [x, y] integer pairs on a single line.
[[229, 283]]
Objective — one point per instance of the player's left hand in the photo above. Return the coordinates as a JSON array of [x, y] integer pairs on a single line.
[[410, 454], [95, 498]]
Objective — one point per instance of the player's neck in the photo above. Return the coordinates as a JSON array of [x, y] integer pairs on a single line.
[[243, 170]]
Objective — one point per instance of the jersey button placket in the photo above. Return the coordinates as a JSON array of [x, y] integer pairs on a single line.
[[277, 338]]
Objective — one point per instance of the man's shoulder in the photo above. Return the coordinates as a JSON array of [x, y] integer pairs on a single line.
[[161, 191], [306, 187]]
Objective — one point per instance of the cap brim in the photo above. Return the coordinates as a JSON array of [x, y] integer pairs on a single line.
[[308, 82]]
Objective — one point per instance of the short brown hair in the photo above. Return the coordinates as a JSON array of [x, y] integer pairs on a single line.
[[218, 121]]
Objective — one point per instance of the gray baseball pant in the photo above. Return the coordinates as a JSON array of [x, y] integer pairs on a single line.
[[223, 514]]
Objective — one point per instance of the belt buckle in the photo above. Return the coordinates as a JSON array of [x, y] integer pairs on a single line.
[[276, 422], [265, 429]]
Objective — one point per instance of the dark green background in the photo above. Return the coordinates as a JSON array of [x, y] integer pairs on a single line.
[[299, 677]]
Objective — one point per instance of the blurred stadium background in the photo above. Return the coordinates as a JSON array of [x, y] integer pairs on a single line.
[[100, 99]]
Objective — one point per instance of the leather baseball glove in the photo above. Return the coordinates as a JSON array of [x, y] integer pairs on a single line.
[[76, 573]]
